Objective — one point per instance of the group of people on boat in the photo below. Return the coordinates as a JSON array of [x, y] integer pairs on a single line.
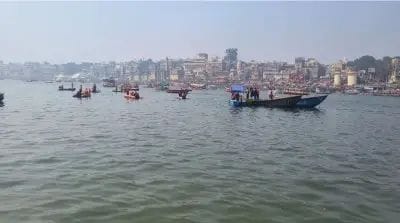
[[86, 93], [182, 93], [132, 94], [253, 93]]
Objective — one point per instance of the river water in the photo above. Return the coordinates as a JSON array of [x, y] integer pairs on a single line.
[[161, 159]]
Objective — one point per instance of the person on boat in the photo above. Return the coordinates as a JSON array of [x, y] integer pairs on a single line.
[[237, 96], [257, 94], [247, 94], [251, 92], [137, 96], [271, 95], [94, 88]]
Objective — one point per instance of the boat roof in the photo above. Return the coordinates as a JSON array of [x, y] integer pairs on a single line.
[[237, 88]]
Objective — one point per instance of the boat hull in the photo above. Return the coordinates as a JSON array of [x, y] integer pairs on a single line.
[[176, 91], [285, 102], [311, 102], [66, 89]]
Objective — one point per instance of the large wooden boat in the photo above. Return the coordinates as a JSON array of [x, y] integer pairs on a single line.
[[282, 102]]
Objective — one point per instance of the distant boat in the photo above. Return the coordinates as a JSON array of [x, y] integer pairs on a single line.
[[198, 86], [109, 82], [352, 92], [177, 90], [212, 87], [61, 88], [310, 101]]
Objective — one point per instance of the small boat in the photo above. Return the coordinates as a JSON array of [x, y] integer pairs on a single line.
[[311, 101], [109, 82], [177, 91], [132, 95], [82, 94], [198, 86], [61, 88], [95, 90]]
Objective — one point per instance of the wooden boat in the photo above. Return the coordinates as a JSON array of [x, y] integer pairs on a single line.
[[61, 88], [131, 97], [284, 102], [176, 91], [198, 86], [311, 101], [109, 82], [82, 94]]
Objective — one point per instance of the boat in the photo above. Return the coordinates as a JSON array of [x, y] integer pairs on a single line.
[[132, 95], [94, 89], [352, 92], [61, 88], [310, 101], [176, 91], [279, 102], [82, 93], [109, 82], [198, 86], [212, 87]]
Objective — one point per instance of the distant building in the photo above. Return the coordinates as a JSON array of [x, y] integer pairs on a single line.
[[351, 78], [395, 71]]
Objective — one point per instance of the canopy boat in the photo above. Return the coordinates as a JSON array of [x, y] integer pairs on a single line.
[[311, 101], [281, 102], [82, 94], [61, 88]]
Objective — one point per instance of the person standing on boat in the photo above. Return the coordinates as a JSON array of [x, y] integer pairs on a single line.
[[256, 94], [247, 94], [271, 95]]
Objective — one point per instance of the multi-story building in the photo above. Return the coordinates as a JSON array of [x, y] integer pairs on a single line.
[[395, 71]]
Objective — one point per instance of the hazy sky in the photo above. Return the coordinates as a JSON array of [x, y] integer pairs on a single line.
[[91, 31]]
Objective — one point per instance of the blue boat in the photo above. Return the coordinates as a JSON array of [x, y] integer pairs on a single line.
[[310, 101]]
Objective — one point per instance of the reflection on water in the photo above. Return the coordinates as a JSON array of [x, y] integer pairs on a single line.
[[161, 159]]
